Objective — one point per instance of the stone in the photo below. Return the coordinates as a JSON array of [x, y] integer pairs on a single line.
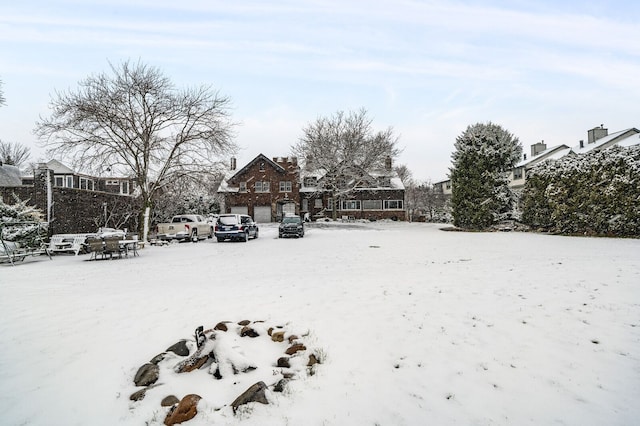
[[221, 326], [169, 401], [191, 364], [156, 359], [138, 395], [279, 387], [244, 322], [255, 393], [295, 348], [179, 348], [147, 375], [283, 362], [312, 360], [248, 331], [278, 336], [292, 338], [184, 411]]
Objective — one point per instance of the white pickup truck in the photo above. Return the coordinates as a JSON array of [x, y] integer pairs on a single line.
[[185, 227]]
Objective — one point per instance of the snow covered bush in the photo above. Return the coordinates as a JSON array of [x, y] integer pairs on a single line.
[[18, 214], [481, 194], [596, 194]]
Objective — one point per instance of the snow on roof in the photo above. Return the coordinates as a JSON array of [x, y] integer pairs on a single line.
[[604, 141], [554, 152], [58, 167]]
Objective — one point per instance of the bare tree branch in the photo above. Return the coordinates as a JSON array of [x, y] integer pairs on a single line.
[[14, 153], [136, 122]]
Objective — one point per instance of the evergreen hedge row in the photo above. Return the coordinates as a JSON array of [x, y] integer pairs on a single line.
[[597, 193]]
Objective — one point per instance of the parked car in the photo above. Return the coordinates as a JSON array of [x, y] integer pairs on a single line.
[[238, 227], [291, 226], [185, 227]]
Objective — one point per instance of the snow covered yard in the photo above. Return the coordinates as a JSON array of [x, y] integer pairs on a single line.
[[418, 326]]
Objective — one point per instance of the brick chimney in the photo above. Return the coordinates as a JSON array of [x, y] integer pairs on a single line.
[[597, 133], [537, 148]]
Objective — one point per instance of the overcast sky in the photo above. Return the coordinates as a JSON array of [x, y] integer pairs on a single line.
[[544, 70]]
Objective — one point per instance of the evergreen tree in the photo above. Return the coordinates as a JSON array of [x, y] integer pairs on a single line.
[[20, 222], [484, 153]]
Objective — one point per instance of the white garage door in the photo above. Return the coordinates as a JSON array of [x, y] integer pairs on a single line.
[[240, 209], [262, 214]]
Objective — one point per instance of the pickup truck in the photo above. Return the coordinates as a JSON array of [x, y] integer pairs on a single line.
[[185, 227]]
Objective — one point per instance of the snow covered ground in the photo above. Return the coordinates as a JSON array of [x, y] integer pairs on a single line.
[[416, 326]]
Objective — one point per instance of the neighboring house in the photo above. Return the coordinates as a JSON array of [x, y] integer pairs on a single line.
[[598, 139], [73, 202], [375, 195], [443, 187], [268, 189], [64, 177], [265, 189]]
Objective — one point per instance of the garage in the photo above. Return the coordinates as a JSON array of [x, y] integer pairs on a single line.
[[240, 209], [262, 214]]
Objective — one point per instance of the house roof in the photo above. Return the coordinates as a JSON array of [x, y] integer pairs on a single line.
[[549, 153], [58, 167], [10, 175], [612, 139], [260, 157], [231, 175]]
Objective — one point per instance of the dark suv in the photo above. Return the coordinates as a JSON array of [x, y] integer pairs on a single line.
[[239, 227], [291, 226]]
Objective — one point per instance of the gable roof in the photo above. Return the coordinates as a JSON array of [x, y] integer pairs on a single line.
[[604, 142], [260, 157], [58, 167]]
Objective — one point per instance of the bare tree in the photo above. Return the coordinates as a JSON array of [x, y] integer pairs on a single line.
[[344, 149], [135, 121], [14, 153]]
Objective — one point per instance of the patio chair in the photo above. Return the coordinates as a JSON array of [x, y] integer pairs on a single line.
[[112, 246], [96, 247]]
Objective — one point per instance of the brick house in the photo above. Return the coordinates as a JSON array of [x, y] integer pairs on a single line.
[[374, 195], [265, 188]]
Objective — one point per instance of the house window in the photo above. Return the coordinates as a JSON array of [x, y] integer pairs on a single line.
[[124, 188], [329, 203], [305, 204], [242, 186], [262, 166], [86, 184], [112, 183], [261, 186], [310, 181], [351, 205], [393, 204], [59, 181], [317, 203], [518, 173], [69, 182], [371, 204], [285, 186], [448, 184]]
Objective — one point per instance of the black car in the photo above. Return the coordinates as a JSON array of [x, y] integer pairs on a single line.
[[291, 226], [238, 227]]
